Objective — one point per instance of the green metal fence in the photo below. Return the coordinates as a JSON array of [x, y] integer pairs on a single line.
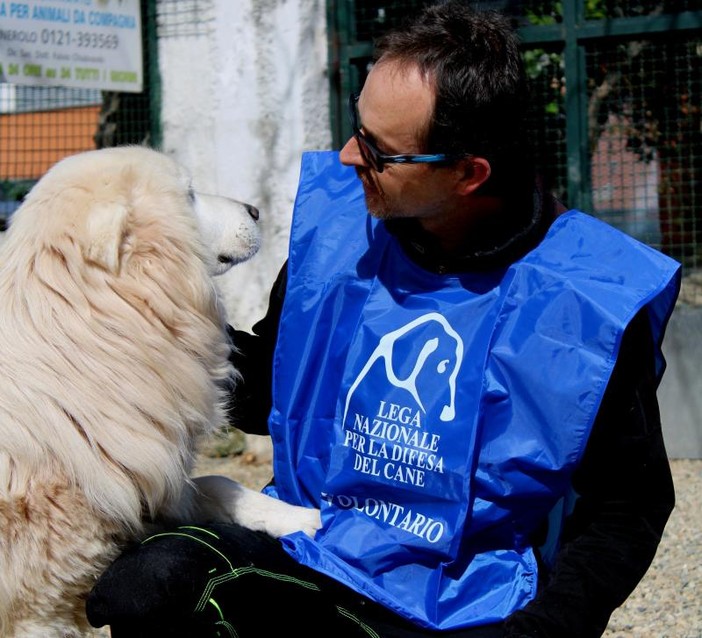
[[616, 98]]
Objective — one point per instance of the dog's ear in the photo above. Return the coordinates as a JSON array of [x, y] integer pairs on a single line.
[[106, 226]]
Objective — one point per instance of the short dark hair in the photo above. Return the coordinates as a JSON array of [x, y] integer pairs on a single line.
[[475, 62]]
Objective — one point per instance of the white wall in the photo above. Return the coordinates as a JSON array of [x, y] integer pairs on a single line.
[[240, 105]]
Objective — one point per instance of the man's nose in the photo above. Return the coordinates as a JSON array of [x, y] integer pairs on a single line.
[[350, 154]]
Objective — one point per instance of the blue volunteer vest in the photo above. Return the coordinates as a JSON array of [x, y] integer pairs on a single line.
[[436, 420]]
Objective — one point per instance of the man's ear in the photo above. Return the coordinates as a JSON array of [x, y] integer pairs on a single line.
[[474, 172]]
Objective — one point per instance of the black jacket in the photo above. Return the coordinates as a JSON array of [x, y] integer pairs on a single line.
[[624, 482]]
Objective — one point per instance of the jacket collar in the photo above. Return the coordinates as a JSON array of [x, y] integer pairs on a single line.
[[498, 244]]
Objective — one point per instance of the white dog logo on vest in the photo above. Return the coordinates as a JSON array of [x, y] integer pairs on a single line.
[[436, 359]]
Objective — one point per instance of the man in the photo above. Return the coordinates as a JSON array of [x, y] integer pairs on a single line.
[[463, 381]]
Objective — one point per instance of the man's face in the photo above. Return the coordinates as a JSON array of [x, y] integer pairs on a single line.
[[395, 108]]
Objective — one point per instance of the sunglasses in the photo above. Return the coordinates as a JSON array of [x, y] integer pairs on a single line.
[[377, 160]]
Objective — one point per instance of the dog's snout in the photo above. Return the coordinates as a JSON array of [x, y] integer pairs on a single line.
[[252, 210]]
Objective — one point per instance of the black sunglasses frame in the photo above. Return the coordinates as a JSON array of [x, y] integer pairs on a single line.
[[377, 160]]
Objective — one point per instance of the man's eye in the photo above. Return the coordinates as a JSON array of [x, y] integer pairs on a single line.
[[379, 146]]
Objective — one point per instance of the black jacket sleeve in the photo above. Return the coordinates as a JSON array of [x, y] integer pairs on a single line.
[[626, 495], [250, 396]]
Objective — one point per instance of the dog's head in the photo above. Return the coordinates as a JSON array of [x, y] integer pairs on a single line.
[[108, 298], [112, 202]]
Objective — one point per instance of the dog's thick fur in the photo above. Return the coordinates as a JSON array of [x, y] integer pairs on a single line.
[[112, 361]]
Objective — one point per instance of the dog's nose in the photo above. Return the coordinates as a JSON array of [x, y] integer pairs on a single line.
[[252, 210]]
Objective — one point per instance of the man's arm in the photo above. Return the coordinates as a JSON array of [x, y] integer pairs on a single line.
[[250, 397], [626, 495]]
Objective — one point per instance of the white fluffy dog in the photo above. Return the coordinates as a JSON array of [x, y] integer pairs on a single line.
[[113, 358]]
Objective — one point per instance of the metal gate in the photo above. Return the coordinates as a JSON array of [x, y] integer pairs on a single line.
[[616, 103]]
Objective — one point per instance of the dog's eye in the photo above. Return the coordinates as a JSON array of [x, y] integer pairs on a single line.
[[191, 194]]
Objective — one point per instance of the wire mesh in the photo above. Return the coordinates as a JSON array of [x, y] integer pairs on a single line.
[[39, 125], [183, 18], [645, 135], [546, 117], [638, 8]]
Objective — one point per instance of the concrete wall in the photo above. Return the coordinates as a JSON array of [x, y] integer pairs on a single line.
[[240, 105], [680, 392]]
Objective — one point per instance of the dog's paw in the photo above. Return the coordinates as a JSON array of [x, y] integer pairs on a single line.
[[267, 514], [292, 518], [221, 499]]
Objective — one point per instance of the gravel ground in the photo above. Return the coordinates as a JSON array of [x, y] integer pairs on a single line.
[[668, 601]]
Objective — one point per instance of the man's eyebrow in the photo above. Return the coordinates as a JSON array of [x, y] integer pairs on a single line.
[[362, 127], [379, 144], [383, 147], [369, 136]]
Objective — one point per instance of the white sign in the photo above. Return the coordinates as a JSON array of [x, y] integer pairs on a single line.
[[90, 44]]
